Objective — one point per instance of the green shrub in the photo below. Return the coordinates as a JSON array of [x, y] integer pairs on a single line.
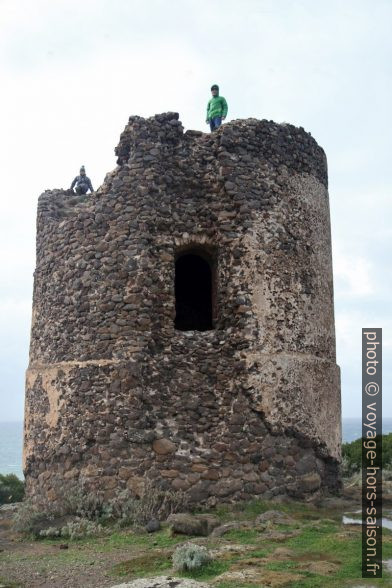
[[11, 489], [73, 499], [190, 556], [28, 519], [153, 504], [45, 518], [352, 455], [83, 503], [76, 529], [52, 522]]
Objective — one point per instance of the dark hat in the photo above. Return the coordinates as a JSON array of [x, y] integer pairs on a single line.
[[215, 87], [82, 168]]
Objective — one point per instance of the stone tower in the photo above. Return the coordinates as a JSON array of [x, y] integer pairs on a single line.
[[183, 324]]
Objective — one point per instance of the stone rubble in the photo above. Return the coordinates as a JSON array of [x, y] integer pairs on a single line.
[[162, 582]]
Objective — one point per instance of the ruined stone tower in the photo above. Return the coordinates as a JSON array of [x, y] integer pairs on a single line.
[[183, 326]]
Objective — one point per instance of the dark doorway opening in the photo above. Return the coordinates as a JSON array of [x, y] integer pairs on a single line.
[[193, 292]]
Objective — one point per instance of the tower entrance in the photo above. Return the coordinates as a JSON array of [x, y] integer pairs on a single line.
[[193, 292]]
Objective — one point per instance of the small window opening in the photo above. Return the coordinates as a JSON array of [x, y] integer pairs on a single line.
[[194, 293]]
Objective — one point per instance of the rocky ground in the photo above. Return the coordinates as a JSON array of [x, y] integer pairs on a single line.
[[252, 544]]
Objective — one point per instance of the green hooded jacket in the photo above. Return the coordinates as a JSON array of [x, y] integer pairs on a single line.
[[217, 106]]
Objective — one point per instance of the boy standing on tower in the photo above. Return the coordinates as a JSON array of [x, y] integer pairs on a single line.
[[216, 109]]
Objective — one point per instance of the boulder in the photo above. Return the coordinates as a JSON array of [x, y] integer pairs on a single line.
[[212, 522], [256, 576], [187, 524], [152, 526], [227, 527], [197, 525], [275, 516], [323, 568], [162, 582]]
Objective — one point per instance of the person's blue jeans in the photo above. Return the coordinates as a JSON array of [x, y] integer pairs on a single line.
[[215, 122], [82, 189]]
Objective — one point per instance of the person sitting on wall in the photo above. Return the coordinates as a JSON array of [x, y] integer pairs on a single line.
[[83, 183], [216, 109]]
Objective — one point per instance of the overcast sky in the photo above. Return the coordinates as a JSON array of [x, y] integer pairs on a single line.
[[72, 72]]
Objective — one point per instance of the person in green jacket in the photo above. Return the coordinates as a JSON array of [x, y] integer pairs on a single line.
[[216, 109]]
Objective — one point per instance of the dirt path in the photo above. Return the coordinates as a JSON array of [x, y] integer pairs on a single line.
[[30, 564]]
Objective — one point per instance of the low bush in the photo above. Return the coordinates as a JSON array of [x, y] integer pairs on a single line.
[[28, 519], [352, 455], [79, 501], [76, 500], [11, 489], [76, 529], [190, 556], [155, 503]]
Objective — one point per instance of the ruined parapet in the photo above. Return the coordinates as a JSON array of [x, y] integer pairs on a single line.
[[233, 397]]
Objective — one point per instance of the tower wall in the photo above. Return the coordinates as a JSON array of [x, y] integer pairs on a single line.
[[115, 395]]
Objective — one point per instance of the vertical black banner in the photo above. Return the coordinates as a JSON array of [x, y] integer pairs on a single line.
[[372, 453]]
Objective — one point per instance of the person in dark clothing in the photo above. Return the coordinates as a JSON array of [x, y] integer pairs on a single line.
[[216, 109], [83, 183]]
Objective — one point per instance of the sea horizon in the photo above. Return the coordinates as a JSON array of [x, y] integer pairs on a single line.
[[11, 441]]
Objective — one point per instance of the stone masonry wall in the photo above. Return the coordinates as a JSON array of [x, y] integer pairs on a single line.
[[115, 394]]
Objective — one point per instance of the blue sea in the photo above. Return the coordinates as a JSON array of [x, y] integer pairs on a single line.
[[11, 441]]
